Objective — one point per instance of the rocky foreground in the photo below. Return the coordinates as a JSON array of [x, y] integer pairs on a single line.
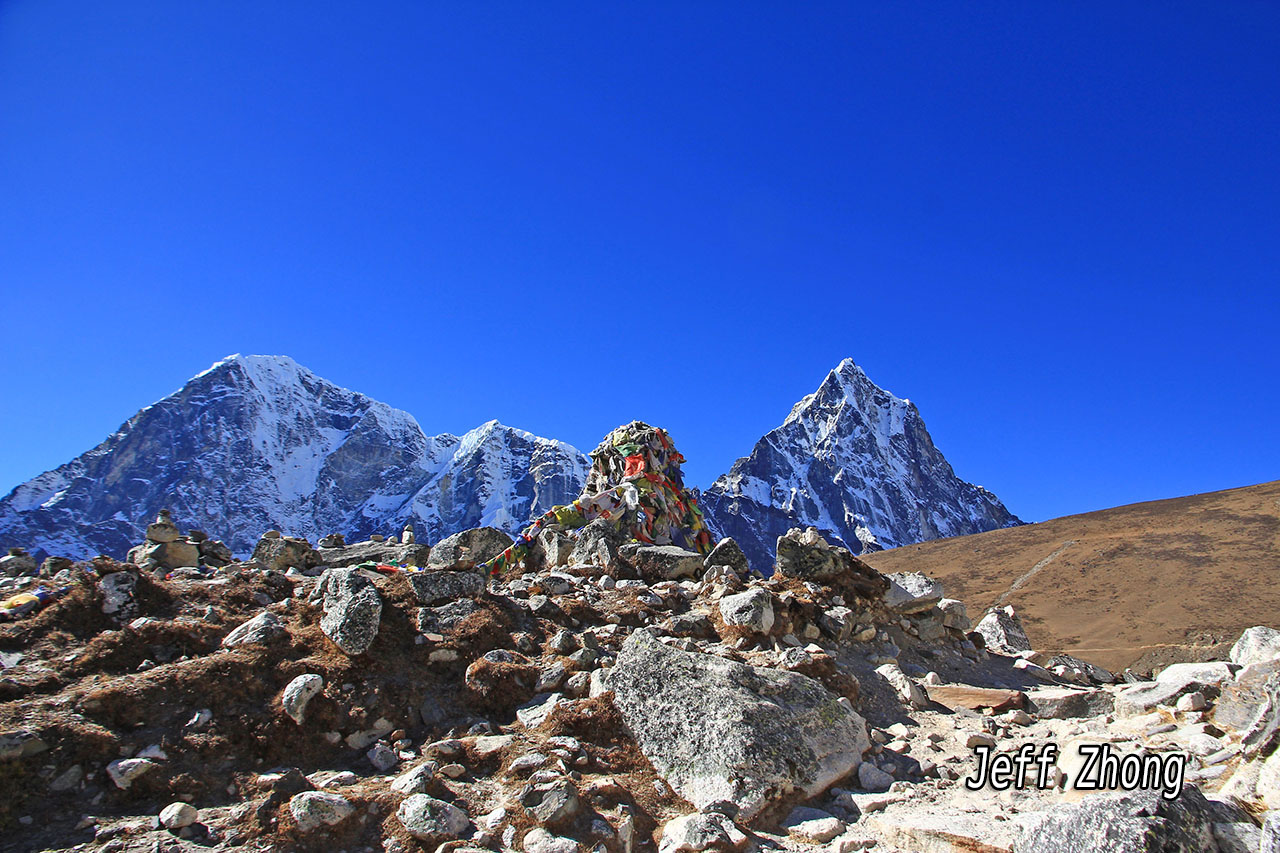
[[383, 696]]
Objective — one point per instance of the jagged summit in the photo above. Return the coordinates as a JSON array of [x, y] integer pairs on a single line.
[[854, 461]]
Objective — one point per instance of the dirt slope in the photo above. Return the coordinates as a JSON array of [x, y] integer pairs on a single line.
[[1138, 585]]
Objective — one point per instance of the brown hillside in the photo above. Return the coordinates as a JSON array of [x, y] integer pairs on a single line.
[[1139, 585]]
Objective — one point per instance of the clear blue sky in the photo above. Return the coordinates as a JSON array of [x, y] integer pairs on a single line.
[[1054, 227]]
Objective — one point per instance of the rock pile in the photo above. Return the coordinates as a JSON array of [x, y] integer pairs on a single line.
[[166, 549], [613, 697]]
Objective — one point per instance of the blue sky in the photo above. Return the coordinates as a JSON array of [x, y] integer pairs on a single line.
[[1054, 227]]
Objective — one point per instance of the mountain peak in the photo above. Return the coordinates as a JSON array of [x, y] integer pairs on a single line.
[[855, 461]]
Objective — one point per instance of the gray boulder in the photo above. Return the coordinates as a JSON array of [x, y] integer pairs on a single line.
[[721, 730], [1003, 631], [597, 545], [727, 553], [214, 552], [117, 591], [428, 819], [912, 592], [551, 549], [1129, 822], [662, 562], [465, 549], [313, 809], [751, 609], [1064, 703], [171, 554], [433, 587], [806, 556], [352, 609], [282, 553], [16, 563], [394, 554], [263, 628], [1258, 644]]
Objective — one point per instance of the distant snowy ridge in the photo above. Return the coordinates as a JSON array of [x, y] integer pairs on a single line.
[[856, 462], [259, 442]]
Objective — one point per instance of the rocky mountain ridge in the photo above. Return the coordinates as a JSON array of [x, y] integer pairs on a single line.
[[856, 462], [257, 442]]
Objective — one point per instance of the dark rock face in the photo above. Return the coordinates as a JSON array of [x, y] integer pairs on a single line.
[[857, 463], [1137, 822], [259, 442]]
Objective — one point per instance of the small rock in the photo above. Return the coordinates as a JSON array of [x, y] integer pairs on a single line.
[[125, 772], [177, 815], [429, 819], [298, 693], [538, 840], [314, 809], [263, 628]]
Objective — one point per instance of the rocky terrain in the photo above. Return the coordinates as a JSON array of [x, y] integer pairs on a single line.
[[259, 442], [383, 696], [1137, 586]]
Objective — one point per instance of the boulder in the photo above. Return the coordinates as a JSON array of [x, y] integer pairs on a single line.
[[428, 819], [434, 587], [465, 549], [342, 556], [752, 609], [171, 554], [314, 809], [954, 614], [551, 549], [806, 556], [727, 553], [908, 691], [721, 730], [1258, 644], [352, 609], [117, 591], [214, 552], [1210, 674], [1064, 703], [662, 562], [553, 804], [912, 592], [1003, 632], [177, 815], [298, 693], [16, 563], [1250, 705], [693, 833], [281, 553], [1129, 822], [597, 545], [263, 628]]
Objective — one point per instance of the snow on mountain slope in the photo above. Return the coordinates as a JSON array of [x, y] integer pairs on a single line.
[[257, 442], [856, 462]]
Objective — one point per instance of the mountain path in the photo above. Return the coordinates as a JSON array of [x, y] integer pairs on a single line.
[[1020, 582]]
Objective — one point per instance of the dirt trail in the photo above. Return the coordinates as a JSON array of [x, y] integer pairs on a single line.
[[1020, 582]]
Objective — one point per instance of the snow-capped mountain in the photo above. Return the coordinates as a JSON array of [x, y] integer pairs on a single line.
[[857, 463], [259, 442]]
